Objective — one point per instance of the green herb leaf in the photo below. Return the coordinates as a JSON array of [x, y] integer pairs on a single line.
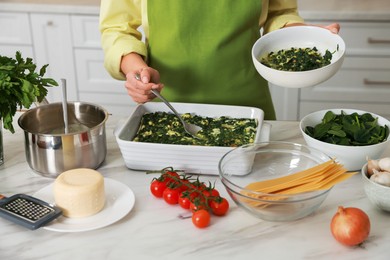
[[20, 86]]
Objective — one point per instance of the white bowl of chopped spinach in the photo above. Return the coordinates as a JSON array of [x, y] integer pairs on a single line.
[[297, 57], [348, 135]]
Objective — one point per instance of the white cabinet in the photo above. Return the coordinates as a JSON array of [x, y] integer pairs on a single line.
[[85, 30], [70, 44], [53, 45], [16, 37], [94, 83], [363, 81], [97, 86]]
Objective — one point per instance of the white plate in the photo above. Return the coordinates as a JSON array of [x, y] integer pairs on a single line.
[[119, 201]]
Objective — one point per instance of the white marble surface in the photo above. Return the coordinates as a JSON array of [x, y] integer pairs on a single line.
[[333, 10], [153, 231]]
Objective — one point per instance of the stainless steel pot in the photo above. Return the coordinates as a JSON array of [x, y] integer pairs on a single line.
[[49, 151]]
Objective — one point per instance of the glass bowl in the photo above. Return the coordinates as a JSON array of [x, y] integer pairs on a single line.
[[270, 160]]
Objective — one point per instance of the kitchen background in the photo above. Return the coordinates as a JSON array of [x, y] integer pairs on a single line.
[[65, 35]]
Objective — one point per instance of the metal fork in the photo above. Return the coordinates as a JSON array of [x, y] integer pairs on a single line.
[[191, 129]]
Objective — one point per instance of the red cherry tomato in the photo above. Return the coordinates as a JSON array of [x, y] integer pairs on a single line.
[[171, 195], [184, 185], [197, 205], [201, 218], [211, 193], [219, 207], [184, 201], [157, 188], [172, 173], [171, 176], [198, 185]]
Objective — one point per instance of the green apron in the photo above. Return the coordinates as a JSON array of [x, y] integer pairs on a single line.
[[202, 49]]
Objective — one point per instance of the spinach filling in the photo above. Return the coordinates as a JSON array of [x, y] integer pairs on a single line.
[[296, 59], [166, 128]]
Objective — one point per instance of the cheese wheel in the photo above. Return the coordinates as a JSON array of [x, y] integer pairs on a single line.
[[79, 192]]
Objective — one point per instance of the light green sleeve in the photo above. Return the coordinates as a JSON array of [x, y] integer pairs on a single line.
[[118, 25], [277, 13]]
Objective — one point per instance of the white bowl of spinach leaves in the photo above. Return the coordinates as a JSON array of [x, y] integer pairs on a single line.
[[348, 135], [299, 56]]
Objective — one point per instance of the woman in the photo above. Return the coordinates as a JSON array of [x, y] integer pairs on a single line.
[[199, 49]]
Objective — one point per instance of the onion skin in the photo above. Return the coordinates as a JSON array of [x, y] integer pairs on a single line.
[[350, 226]]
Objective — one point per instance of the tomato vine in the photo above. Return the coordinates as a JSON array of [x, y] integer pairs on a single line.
[[192, 194]]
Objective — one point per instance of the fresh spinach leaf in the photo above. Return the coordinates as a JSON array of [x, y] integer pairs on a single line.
[[352, 129]]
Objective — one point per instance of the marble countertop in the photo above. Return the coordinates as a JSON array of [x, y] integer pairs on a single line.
[[336, 10], [153, 231]]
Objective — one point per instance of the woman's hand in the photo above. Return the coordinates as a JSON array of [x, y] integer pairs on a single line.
[[140, 78], [334, 27]]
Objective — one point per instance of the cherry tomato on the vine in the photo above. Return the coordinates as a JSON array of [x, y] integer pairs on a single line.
[[186, 198], [171, 195], [171, 176], [184, 184], [157, 188], [219, 207], [201, 218], [198, 185], [197, 204], [201, 198], [211, 193], [184, 201]]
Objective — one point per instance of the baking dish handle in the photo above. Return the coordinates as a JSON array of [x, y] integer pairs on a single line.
[[119, 126], [265, 132]]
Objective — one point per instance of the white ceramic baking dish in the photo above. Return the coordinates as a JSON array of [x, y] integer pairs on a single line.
[[190, 158]]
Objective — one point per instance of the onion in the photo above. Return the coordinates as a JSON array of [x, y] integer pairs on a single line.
[[350, 226]]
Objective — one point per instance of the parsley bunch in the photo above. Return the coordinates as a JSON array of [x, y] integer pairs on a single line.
[[20, 86]]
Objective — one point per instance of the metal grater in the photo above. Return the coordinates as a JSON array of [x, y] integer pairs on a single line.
[[28, 211]]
